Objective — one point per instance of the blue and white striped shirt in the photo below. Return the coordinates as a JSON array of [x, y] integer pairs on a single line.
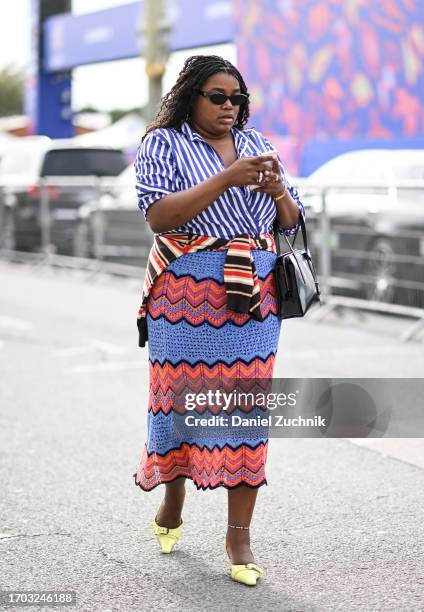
[[169, 161]]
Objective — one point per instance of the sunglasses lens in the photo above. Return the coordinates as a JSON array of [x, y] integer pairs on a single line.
[[238, 99], [218, 98]]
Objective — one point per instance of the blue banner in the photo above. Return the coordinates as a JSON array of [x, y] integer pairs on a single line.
[[74, 40]]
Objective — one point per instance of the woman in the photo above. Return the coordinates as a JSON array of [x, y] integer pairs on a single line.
[[209, 297]]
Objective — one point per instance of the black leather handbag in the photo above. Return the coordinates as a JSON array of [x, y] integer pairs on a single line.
[[297, 283]]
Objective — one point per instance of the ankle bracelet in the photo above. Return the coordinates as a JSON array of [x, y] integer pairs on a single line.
[[237, 526]]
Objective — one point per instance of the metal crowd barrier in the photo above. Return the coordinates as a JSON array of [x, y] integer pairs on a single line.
[[99, 186], [322, 234], [331, 284]]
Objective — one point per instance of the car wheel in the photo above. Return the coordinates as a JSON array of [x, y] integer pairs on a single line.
[[381, 267], [82, 245]]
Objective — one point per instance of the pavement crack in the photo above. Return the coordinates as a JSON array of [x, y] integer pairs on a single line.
[[113, 559], [118, 520], [4, 536], [168, 591]]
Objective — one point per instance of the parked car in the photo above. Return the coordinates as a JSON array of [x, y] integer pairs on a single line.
[[31, 159], [376, 231], [114, 228]]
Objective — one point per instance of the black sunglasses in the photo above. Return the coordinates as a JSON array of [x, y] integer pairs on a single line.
[[220, 98]]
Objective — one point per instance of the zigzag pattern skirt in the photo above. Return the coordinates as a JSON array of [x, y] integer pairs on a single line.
[[193, 336]]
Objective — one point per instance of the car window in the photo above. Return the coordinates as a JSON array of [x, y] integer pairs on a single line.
[[83, 162]]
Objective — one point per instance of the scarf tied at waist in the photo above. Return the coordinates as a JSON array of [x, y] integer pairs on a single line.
[[240, 278]]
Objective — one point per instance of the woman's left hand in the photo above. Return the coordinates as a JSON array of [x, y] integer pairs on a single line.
[[272, 182]]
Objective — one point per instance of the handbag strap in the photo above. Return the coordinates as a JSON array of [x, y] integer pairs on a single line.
[[302, 225], [277, 244]]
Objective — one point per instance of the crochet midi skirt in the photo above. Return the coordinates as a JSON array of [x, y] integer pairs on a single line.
[[196, 341]]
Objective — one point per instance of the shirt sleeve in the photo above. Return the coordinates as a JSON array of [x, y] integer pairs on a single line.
[[155, 171], [295, 195], [292, 190]]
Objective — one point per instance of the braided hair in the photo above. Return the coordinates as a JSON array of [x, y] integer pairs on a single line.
[[177, 104]]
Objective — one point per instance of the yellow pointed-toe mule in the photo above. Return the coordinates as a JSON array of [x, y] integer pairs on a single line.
[[166, 536], [246, 573]]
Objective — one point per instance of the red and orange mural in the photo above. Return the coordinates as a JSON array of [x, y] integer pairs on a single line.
[[332, 70]]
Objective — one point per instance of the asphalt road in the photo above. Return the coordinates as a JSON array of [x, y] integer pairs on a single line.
[[340, 526]]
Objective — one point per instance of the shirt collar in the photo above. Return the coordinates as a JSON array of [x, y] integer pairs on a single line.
[[241, 140], [186, 129]]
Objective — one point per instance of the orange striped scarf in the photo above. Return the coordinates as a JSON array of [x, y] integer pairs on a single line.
[[240, 277]]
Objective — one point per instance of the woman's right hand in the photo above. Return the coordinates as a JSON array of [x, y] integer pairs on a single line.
[[245, 170]]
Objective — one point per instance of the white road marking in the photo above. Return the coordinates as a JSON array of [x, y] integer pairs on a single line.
[[408, 450], [106, 347], [15, 324], [360, 350], [91, 347], [110, 366], [72, 351]]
